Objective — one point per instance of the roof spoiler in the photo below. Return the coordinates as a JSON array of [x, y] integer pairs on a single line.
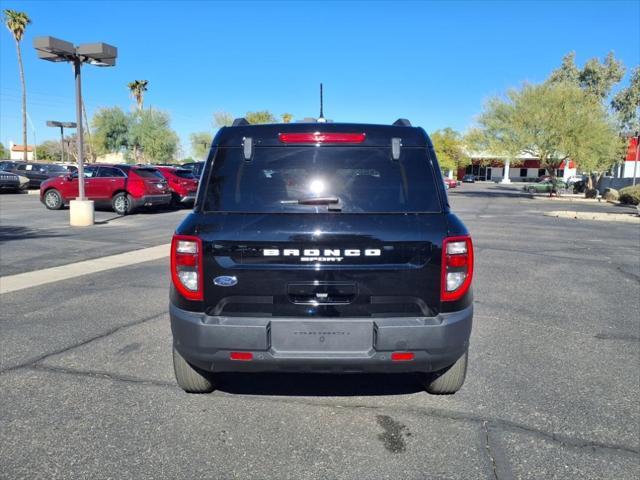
[[240, 122], [402, 122]]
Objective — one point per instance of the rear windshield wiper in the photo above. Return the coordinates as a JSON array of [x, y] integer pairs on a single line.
[[333, 203]]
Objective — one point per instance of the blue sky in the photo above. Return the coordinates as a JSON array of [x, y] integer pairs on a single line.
[[432, 62]]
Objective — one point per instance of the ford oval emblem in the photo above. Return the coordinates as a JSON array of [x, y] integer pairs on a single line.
[[225, 281]]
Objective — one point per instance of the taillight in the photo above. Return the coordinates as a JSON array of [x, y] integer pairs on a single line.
[[457, 268], [186, 266], [319, 137]]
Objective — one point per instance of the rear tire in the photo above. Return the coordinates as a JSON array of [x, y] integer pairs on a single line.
[[122, 203], [53, 199], [449, 380], [191, 379]]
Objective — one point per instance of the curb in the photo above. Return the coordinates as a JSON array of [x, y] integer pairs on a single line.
[[602, 217]]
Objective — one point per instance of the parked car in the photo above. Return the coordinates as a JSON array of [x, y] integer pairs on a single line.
[[469, 178], [545, 186], [124, 187], [182, 184], [311, 250], [451, 182], [8, 165], [195, 167], [39, 172], [12, 182]]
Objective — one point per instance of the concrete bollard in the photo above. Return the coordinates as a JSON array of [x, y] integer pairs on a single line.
[[81, 213]]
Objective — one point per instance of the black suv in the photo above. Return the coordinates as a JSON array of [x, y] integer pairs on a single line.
[[321, 247]]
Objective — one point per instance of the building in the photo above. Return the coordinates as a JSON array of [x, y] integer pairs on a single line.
[[112, 158], [524, 168], [631, 166], [16, 152]]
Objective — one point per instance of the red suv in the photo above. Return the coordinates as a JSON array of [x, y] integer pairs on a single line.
[[182, 184], [123, 187]]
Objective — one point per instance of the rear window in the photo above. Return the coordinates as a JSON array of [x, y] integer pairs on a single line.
[[364, 179], [151, 173], [55, 168], [183, 173]]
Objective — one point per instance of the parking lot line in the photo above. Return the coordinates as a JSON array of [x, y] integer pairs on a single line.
[[21, 281]]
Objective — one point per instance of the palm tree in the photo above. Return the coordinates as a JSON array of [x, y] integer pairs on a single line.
[[17, 22], [137, 89], [286, 117]]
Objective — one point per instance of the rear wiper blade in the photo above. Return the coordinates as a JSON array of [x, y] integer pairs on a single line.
[[312, 201], [332, 202]]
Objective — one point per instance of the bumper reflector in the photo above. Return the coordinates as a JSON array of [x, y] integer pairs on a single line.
[[402, 356], [242, 356]]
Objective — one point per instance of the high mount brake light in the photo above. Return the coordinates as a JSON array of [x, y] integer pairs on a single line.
[[457, 268], [186, 266], [319, 137]]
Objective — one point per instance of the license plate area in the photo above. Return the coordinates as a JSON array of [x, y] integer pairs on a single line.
[[319, 336]]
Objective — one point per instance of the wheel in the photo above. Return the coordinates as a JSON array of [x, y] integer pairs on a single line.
[[191, 379], [532, 189], [122, 203], [53, 199], [175, 200], [448, 380]]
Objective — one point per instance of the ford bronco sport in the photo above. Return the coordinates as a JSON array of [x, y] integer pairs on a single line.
[[321, 248]]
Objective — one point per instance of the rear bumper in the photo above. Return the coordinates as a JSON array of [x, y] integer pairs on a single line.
[[188, 198], [206, 341], [152, 200]]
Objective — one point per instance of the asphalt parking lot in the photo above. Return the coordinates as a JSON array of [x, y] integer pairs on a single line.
[[553, 388]]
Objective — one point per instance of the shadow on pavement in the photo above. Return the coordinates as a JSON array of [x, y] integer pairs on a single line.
[[491, 193], [318, 384], [11, 232]]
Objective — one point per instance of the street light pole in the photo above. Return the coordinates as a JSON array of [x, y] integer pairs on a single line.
[[79, 139], [635, 164], [81, 210], [61, 126], [61, 143]]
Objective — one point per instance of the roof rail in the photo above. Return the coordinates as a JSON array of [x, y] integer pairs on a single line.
[[402, 122], [240, 122]]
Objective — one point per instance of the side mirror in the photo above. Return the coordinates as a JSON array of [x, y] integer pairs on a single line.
[[68, 177]]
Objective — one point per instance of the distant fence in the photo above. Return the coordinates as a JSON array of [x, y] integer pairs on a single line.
[[617, 183]]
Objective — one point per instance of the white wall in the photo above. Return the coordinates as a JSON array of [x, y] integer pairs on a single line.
[[627, 171]]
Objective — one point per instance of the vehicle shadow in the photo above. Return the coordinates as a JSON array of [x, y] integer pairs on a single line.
[[11, 232], [318, 384]]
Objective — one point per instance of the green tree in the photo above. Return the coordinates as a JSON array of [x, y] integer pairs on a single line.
[[200, 143], [286, 117], [596, 78], [4, 152], [260, 116], [553, 122], [567, 72], [626, 104], [450, 149], [17, 23], [222, 119], [150, 132], [137, 89], [49, 150], [110, 130], [71, 148]]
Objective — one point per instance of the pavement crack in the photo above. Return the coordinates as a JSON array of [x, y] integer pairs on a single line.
[[101, 374], [486, 423], [34, 360], [487, 446]]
